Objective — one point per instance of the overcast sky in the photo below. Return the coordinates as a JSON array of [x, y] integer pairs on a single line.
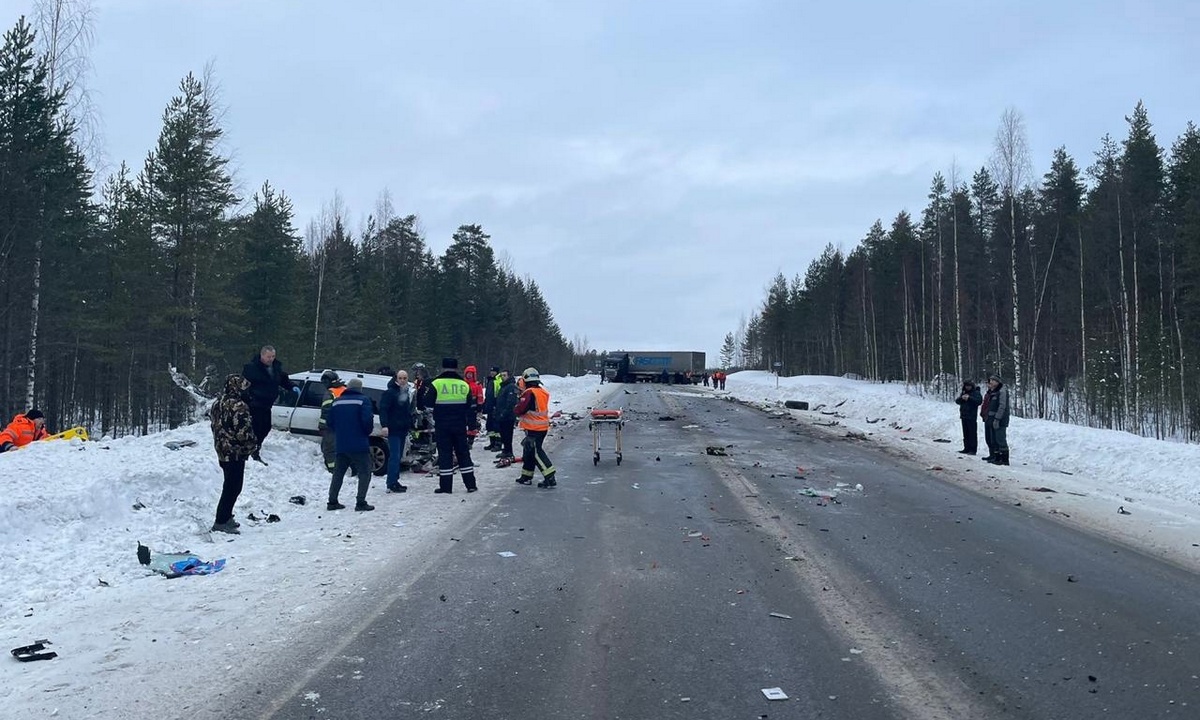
[[652, 163]]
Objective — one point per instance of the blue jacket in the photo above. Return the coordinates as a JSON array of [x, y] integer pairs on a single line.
[[352, 420]]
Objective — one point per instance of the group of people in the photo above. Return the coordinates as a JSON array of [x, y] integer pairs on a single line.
[[717, 377], [241, 420], [994, 409]]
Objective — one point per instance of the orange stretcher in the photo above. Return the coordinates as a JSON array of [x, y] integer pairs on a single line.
[[601, 418]]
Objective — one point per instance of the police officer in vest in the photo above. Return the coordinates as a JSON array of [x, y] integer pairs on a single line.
[[454, 413], [534, 410]]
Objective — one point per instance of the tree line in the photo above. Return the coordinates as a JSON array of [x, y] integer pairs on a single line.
[[1081, 288], [104, 286]]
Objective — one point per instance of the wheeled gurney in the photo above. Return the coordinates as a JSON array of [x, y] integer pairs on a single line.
[[601, 418]]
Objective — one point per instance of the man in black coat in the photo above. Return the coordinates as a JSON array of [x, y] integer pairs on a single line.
[[266, 377], [506, 415], [969, 400]]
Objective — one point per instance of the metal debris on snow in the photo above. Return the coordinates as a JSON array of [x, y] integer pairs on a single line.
[[506, 553], [781, 616], [774, 693]]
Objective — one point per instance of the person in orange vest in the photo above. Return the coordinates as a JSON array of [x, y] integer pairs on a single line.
[[24, 429], [534, 411], [334, 388]]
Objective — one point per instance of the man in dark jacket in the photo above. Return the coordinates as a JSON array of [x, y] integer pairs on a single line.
[[454, 414], [491, 385], [266, 377], [969, 400], [998, 412], [352, 421], [506, 416], [395, 415]]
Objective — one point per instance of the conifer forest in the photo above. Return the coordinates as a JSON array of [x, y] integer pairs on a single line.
[[105, 283]]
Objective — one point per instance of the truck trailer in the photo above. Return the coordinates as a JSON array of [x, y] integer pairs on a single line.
[[672, 366]]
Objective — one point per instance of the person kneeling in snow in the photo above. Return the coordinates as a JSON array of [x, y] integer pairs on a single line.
[[234, 438], [23, 429]]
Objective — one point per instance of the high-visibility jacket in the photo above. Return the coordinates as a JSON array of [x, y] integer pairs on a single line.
[[21, 431], [454, 407], [535, 402], [331, 394]]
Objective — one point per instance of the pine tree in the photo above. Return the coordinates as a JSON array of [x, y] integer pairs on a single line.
[[191, 191]]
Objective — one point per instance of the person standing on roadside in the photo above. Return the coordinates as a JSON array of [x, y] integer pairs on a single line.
[[334, 387], [266, 377], [454, 417], [352, 420], [969, 400], [998, 412], [396, 417], [506, 416], [234, 439], [534, 410]]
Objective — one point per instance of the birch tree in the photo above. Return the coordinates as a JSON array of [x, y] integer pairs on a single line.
[[1011, 168]]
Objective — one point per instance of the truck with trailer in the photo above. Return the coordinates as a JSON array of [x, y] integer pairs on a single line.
[[677, 366]]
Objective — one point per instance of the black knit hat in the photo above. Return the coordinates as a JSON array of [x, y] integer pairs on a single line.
[[449, 363], [35, 414]]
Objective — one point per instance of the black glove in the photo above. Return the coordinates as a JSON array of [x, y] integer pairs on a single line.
[[6, 447]]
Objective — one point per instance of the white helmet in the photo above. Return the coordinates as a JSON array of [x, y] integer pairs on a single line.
[[531, 374]]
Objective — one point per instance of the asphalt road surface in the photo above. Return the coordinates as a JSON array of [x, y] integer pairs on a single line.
[[653, 589]]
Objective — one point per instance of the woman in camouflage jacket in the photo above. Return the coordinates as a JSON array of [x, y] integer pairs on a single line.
[[234, 438]]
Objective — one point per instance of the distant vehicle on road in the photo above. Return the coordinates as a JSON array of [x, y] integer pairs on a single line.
[[680, 366]]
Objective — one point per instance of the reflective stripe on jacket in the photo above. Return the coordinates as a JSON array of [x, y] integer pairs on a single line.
[[537, 416], [21, 431]]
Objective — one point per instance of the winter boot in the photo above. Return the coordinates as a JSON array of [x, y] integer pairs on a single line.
[[1003, 459], [362, 506], [226, 527], [548, 482], [525, 480], [334, 505]]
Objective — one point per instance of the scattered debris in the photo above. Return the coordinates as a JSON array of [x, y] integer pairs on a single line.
[[506, 553], [855, 651], [103, 582], [795, 404], [1056, 511], [297, 500], [177, 444], [831, 423], [691, 427], [781, 616], [273, 518], [665, 417], [34, 651], [173, 565], [716, 450], [774, 693], [1071, 578], [143, 554], [1122, 511], [872, 422], [942, 440], [139, 505], [1042, 489]]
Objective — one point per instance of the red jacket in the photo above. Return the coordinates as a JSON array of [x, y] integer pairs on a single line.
[[20, 432], [470, 375]]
